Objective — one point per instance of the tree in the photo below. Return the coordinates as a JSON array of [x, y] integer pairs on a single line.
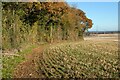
[[34, 22]]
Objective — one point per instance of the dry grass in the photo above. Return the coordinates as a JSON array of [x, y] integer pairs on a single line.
[[95, 57], [91, 59]]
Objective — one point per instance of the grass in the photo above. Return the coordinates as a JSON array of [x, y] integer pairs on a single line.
[[80, 59], [10, 62]]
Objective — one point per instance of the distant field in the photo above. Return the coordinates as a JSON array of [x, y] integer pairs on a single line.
[[102, 37]]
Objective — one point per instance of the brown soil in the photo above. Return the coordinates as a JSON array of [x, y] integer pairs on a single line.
[[28, 68]]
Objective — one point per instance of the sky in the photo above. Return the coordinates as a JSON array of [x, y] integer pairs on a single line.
[[103, 14], [92, 0]]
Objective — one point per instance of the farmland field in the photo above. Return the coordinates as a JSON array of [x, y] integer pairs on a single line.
[[91, 58], [57, 39]]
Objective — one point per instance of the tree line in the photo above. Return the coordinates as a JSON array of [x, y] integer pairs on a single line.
[[36, 22]]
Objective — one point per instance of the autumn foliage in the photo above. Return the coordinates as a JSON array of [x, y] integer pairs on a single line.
[[36, 22]]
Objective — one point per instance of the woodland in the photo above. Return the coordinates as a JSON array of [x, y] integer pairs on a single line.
[[41, 22]]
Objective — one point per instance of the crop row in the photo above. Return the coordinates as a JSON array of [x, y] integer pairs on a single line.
[[78, 60]]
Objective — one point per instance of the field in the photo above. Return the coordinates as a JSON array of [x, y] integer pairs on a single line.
[[95, 57]]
